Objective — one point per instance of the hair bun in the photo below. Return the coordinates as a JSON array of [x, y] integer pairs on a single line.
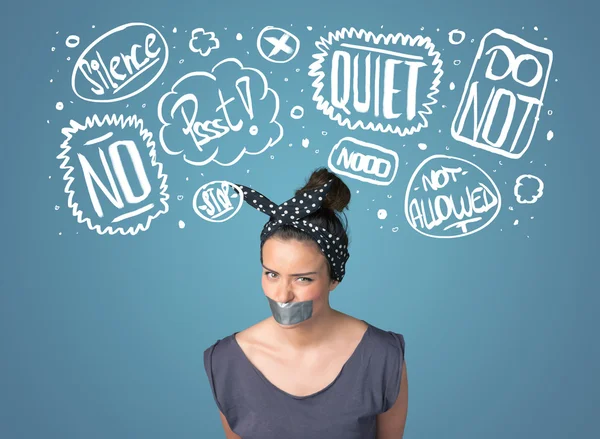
[[338, 197]]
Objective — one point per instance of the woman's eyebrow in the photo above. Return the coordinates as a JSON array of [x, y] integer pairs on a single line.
[[297, 274]]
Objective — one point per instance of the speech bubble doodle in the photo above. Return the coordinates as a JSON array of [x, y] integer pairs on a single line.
[[363, 79], [519, 184], [218, 201], [363, 161], [118, 64], [283, 46], [199, 38], [219, 116], [447, 196], [102, 158], [512, 76]]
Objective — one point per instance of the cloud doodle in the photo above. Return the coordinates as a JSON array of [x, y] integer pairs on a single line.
[[528, 181], [203, 42], [219, 116]]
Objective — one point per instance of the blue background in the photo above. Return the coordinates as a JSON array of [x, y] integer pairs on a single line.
[[102, 336]]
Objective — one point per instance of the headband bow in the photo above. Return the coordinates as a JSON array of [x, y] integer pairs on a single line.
[[292, 212]]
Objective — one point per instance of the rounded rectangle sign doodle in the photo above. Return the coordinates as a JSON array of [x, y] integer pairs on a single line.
[[363, 161], [449, 197], [120, 63], [383, 83], [503, 95]]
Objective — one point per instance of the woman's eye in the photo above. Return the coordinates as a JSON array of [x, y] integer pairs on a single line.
[[306, 278]]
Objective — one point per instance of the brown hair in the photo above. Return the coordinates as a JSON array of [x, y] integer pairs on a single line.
[[336, 200]]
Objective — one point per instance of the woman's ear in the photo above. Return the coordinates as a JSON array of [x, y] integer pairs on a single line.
[[333, 284]]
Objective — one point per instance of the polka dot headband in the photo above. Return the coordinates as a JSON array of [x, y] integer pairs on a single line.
[[292, 212]]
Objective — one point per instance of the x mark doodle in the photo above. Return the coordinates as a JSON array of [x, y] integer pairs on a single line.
[[279, 44], [282, 41]]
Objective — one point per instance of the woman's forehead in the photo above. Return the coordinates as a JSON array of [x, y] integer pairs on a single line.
[[292, 252]]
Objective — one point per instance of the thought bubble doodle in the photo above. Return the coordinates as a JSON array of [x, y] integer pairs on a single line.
[[511, 75], [383, 83], [217, 201], [114, 182], [219, 116], [203, 42], [448, 197], [119, 67], [539, 188]]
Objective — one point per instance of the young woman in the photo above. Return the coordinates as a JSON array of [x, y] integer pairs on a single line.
[[309, 371]]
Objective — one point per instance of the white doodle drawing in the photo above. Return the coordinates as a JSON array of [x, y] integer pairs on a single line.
[[203, 42], [116, 68], [72, 41], [297, 112], [539, 189], [305, 142], [550, 135], [383, 83], [92, 156], [449, 197], [517, 88], [456, 36], [281, 48], [220, 199], [363, 161], [210, 117]]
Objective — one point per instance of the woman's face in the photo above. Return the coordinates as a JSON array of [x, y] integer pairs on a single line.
[[296, 271]]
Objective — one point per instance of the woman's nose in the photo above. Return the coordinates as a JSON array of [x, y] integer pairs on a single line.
[[284, 293]]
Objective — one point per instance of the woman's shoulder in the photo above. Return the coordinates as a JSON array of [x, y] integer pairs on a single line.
[[386, 339]]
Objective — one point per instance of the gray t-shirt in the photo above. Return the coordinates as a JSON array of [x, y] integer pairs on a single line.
[[367, 385]]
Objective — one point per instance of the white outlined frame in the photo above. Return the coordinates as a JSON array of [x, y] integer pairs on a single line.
[[145, 135], [366, 145], [210, 75], [102, 37], [410, 187], [370, 37], [466, 91], [283, 31], [235, 187]]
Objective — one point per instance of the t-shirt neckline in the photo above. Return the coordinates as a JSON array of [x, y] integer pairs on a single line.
[[348, 361]]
